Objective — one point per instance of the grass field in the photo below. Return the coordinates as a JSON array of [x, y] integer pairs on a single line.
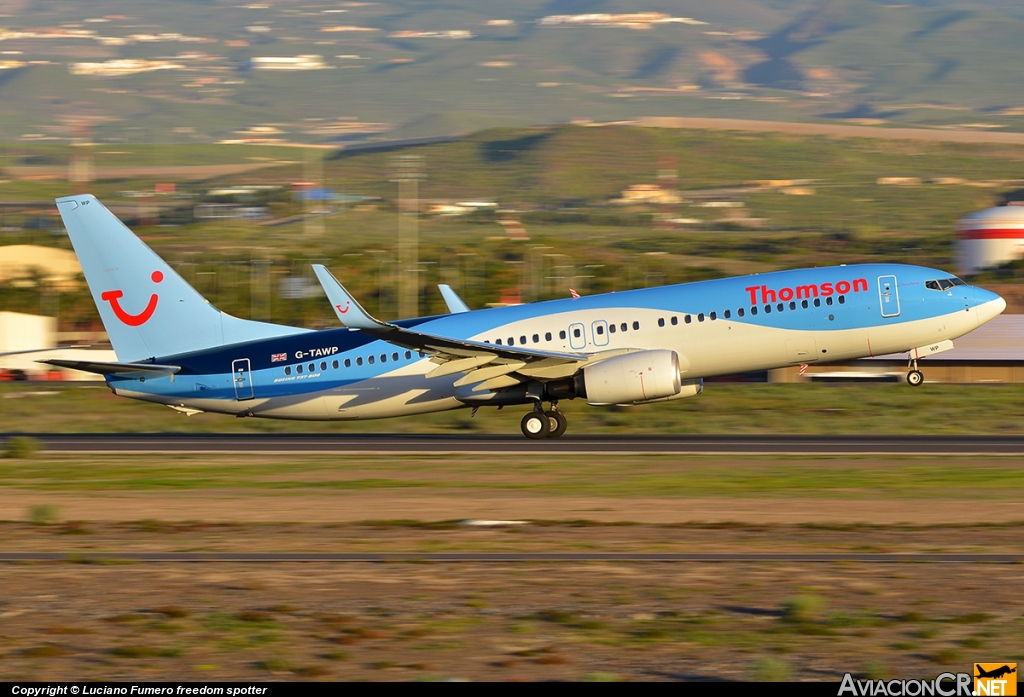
[[576, 621]]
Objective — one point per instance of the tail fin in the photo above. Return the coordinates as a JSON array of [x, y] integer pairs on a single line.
[[147, 309]]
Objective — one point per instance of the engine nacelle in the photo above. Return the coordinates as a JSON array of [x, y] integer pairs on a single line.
[[632, 378]]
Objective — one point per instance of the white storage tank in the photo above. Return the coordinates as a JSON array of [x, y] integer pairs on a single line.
[[990, 238]]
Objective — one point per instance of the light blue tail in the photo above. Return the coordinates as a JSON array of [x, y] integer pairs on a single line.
[[147, 309]]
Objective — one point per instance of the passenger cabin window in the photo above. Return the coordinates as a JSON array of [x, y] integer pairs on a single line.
[[600, 330], [687, 319], [511, 341], [611, 328], [348, 362], [547, 336], [408, 355], [383, 358], [727, 314], [334, 365], [792, 305], [369, 359], [739, 312], [713, 316], [828, 300], [576, 333], [817, 302], [636, 325], [700, 316], [753, 310], [780, 307], [312, 367], [661, 321], [561, 334], [298, 369], [359, 360], [287, 370], [323, 365], [522, 340], [675, 320], [767, 309], [498, 342], [803, 304], [536, 338], [842, 299], [623, 326], [394, 356]]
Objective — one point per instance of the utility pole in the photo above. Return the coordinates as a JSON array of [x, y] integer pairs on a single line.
[[314, 176], [408, 172]]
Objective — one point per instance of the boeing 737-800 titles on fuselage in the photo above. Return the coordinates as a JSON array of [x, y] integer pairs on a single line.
[[632, 347]]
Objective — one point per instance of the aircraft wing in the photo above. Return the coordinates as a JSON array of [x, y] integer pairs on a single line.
[[488, 366], [456, 305], [136, 370]]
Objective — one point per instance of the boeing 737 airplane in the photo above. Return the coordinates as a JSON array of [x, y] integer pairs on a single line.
[[632, 347]]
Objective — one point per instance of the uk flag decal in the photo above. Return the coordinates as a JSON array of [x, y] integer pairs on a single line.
[[278, 357]]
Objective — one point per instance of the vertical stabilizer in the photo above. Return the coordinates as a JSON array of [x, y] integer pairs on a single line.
[[147, 309]]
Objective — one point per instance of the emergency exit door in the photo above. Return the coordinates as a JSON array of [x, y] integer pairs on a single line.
[[242, 375], [888, 296]]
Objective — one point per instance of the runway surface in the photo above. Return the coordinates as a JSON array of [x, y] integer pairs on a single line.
[[495, 444], [503, 557]]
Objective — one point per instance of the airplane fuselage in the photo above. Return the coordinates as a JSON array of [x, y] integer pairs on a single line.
[[716, 327]]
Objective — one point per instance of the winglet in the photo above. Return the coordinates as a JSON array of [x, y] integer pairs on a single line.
[[350, 312], [452, 300]]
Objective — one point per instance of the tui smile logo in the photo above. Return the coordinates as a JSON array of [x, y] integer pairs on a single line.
[[343, 311], [113, 296]]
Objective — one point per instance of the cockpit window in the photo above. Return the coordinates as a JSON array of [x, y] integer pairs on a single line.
[[944, 283]]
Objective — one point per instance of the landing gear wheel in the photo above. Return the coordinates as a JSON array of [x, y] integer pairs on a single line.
[[558, 423], [915, 378], [536, 425]]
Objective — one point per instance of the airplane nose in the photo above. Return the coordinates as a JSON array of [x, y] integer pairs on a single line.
[[990, 305]]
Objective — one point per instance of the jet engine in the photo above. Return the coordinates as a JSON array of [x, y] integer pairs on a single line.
[[632, 378]]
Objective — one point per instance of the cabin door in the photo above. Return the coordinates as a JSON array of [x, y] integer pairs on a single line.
[[888, 296], [577, 335], [242, 375]]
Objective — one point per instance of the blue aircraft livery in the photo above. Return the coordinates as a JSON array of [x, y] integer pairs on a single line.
[[632, 347]]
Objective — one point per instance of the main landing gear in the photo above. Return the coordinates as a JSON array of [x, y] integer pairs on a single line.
[[915, 377], [544, 424]]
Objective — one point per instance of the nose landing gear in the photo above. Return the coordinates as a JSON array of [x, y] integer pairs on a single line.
[[540, 424], [915, 377]]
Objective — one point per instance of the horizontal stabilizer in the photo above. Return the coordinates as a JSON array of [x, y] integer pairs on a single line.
[[136, 370], [455, 304]]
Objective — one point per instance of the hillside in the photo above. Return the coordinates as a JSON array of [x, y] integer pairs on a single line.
[[204, 70]]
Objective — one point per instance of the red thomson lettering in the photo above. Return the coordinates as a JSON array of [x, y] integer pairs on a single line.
[[810, 290]]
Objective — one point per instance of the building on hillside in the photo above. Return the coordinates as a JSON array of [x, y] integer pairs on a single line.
[[303, 62], [58, 267]]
